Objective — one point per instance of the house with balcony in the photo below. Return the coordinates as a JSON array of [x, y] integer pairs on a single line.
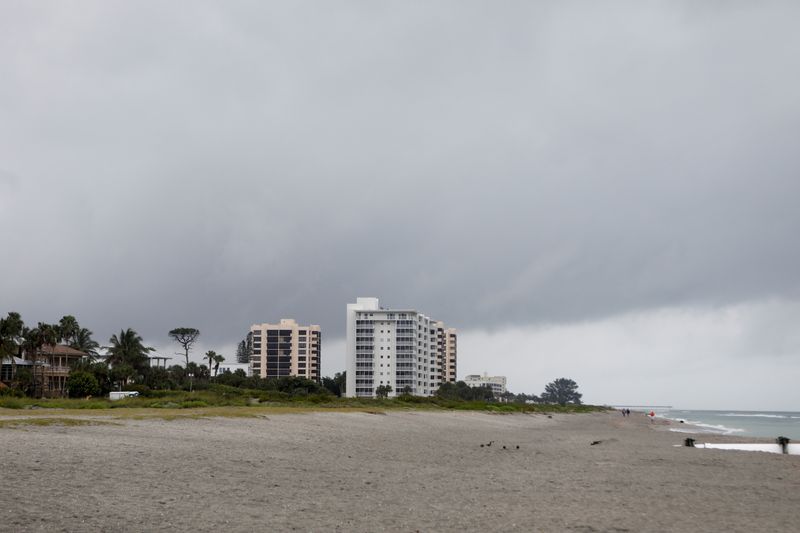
[[51, 367]]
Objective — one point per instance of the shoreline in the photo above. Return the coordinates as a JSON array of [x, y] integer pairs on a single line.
[[706, 430], [396, 470]]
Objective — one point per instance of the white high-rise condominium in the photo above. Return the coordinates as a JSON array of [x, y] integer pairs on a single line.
[[399, 348]]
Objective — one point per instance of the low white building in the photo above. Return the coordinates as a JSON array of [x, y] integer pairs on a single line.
[[232, 367], [497, 383]]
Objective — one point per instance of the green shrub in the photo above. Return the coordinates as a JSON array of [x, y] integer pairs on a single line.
[[81, 384], [143, 390], [10, 392]]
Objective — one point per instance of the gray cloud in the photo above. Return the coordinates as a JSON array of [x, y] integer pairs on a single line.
[[214, 166], [734, 357]]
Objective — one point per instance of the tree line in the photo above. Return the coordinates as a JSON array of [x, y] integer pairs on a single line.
[[127, 365], [561, 391], [126, 360]]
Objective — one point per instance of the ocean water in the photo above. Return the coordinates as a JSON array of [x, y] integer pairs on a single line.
[[740, 423]]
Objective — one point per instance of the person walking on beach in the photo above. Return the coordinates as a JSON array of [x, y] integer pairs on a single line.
[[652, 416]]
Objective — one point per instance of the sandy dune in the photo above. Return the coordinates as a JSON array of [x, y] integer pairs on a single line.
[[402, 471]]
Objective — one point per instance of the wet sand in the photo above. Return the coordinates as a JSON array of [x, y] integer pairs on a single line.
[[400, 471]]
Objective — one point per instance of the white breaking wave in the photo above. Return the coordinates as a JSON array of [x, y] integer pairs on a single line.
[[718, 428], [709, 428], [758, 415], [730, 422]]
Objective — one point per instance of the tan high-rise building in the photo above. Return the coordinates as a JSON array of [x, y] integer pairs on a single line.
[[446, 341], [286, 349]]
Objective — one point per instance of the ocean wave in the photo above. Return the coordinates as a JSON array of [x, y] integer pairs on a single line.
[[719, 428], [680, 420], [757, 415], [706, 428]]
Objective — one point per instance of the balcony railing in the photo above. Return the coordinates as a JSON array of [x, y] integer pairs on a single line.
[[56, 370]]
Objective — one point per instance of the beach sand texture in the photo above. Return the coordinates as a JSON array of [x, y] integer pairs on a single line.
[[399, 471]]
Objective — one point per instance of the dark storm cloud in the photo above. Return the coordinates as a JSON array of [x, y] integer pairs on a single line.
[[215, 165]]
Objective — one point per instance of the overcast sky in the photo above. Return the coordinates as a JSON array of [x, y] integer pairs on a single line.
[[602, 191]]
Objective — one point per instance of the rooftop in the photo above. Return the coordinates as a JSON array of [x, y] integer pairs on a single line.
[[61, 349]]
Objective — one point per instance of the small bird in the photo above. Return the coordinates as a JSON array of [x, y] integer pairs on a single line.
[[595, 442]]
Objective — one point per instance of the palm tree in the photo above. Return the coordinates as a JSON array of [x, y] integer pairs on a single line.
[[83, 341], [210, 355], [30, 343], [214, 359], [50, 335], [217, 360], [68, 329], [11, 338], [34, 340], [127, 349]]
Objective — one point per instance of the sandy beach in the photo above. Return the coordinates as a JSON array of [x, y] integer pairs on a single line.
[[398, 471]]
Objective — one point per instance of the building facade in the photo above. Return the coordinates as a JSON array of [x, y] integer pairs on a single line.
[[399, 348], [446, 340], [286, 349], [497, 383], [49, 367]]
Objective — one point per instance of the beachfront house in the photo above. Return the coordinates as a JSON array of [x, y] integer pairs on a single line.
[[51, 366], [49, 369]]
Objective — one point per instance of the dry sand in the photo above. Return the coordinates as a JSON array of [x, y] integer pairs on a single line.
[[399, 471]]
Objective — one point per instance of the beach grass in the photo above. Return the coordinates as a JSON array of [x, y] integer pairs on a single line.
[[51, 421], [232, 402], [77, 415]]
